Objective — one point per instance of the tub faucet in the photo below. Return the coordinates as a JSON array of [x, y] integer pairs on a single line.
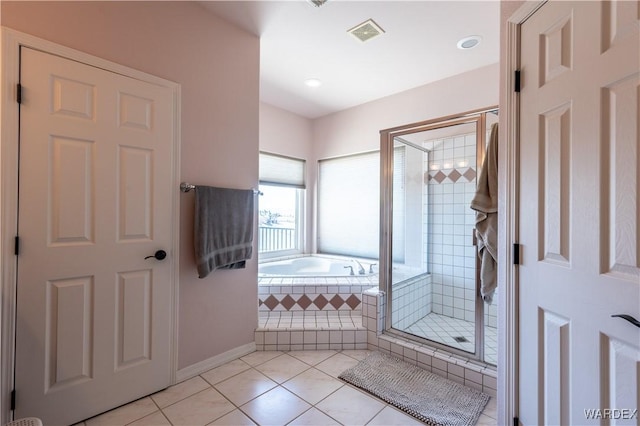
[[360, 268], [371, 265], [351, 268]]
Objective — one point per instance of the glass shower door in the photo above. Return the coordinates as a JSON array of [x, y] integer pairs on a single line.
[[431, 174]]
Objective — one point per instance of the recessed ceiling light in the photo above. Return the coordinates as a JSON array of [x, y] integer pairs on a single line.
[[313, 82], [469, 42]]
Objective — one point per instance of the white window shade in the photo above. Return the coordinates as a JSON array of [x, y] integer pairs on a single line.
[[281, 170], [349, 205]]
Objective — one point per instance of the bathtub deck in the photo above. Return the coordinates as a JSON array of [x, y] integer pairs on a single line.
[[310, 330]]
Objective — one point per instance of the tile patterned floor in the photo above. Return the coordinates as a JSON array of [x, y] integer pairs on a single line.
[[444, 329], [268, 388]]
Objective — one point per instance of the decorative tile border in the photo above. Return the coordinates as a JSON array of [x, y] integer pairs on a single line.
[[450, 175], [312, 296], [313, 302]]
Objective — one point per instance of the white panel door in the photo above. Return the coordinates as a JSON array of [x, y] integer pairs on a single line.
[[93, 316], [579, 214]]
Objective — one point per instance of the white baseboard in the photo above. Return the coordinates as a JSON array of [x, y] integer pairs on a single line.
[[216, 361]]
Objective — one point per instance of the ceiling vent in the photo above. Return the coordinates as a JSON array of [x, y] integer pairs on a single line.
[[317, 3], [366, 31]]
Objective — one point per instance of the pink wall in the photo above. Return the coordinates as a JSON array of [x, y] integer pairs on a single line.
[[283, 132], [217, 65], [358, 129]]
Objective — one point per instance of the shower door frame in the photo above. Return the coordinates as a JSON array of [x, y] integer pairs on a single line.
[[387, 137]]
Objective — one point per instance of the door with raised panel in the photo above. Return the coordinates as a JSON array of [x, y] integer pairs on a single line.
[[580, 214], [93, 328]]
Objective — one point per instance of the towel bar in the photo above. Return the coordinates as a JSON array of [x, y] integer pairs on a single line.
[[186, 187]]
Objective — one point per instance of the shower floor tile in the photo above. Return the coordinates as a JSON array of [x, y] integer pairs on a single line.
[[444, 329]]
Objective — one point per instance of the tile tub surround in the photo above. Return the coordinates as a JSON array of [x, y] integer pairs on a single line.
[[313, 293], [310, 330], [474, 374]]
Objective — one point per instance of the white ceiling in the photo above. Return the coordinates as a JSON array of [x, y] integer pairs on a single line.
[[299, 41]]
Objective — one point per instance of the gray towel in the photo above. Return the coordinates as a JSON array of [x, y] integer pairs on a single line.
[[223, 228], [485, 203]]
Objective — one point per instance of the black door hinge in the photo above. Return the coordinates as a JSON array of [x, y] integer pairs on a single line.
[[516, 254], [19, 93], [13, 399], [16, 248], [516, 81], [516, 421]]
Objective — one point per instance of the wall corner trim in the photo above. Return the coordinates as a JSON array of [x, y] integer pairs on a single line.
[[215, 361]]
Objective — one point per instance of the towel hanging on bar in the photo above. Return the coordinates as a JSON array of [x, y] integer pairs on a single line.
[[187, 187], [223, 228]]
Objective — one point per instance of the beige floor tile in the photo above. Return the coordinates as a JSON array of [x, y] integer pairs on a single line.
[[282, 368], [276, 407], [230, 369], [125, 414], [491, 410], [312, 357], [336, 364], [235, 418], [155, 419], [313, 385], [259, 357], [350, 406], [199, 409], [314, 417], [245, 386], [486, 421], [358, 354], [180, 391], [390, 416]]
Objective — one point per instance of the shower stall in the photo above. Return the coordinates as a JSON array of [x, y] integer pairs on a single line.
[[429, 268]]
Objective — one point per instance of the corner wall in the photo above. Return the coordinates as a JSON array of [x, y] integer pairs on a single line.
[[285, 133], [217, 66]]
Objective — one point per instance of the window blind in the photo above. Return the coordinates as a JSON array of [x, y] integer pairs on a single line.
[[280, 170], [349, 205]]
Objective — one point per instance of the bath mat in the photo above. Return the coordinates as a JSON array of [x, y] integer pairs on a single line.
[[426, 396]]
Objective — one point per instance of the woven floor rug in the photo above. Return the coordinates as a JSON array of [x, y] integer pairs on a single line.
[[426, 396]]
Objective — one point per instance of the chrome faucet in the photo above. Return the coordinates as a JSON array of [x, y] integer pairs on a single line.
[[360, 267], [371, 265], [351, 268]]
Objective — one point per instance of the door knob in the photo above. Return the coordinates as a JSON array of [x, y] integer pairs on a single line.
[[629, 318], [159, 255]]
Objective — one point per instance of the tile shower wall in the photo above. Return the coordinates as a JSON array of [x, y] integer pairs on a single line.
[[450, 186], [475, 374], [411, 301]]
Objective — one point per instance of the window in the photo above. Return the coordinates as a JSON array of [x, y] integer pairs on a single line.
[[281, 205]]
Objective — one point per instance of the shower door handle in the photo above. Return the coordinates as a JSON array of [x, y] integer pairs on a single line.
[[629, 318], [474, 238]]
